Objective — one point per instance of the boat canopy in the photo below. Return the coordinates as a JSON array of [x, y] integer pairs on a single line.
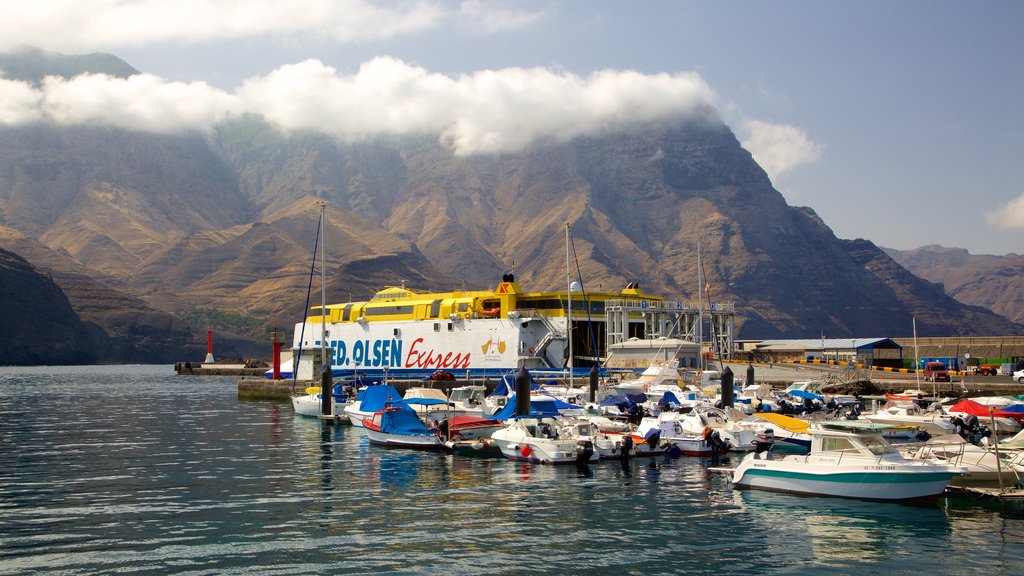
[[426, 402], [787, 423], [402, 421], [806, 395], [546, 406], [375, 398], [507, 386], [977, 409], [670, 398]]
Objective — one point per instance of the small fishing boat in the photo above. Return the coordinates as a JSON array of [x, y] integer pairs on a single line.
[[903, 413], [984, 468], [310, 404], [848, 459], [369, 400], [668, 428], [1005, 421], [398, 425], [537, 439]]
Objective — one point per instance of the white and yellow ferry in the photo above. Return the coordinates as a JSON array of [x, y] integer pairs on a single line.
[[407, 334]]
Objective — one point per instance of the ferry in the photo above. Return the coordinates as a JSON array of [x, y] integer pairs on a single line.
[[402, 333]]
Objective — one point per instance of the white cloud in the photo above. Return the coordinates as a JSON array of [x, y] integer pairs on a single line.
[[19, 103], [490, 16], [1011, 215], [485, 112], [105, 24], [778, 147], [140, 102]]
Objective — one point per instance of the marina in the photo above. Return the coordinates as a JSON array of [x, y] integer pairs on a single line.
[[160, 474]]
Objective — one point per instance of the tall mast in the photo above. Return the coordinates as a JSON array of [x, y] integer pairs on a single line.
[[700, 312], [325, 357], [568, 292]]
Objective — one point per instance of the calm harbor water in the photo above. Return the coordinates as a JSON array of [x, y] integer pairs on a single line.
[[131, 469]]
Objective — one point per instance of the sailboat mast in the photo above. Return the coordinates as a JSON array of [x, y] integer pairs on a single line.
[[325, 357], [700, 312], [568, 292]]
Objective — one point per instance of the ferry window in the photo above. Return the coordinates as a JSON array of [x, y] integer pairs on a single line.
[[388, 310], [835, 444], [345, 314], [437, 327], [463, 306], [450, 327], [435, 308]]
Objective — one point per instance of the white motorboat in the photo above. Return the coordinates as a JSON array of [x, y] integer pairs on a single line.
[[537, 439], [310, 403], [848, 459], [468, 400], [429, 412], [903, 413], [607, 446], [666, 430], [699, 419], [984, 469], [654, 381]]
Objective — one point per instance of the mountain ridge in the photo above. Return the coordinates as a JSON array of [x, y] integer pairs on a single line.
[[226, 221]]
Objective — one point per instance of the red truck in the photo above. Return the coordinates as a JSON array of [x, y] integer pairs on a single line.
[[936, 372]]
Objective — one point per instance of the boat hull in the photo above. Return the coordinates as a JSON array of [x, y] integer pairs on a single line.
[[859, 481], [418, 441]]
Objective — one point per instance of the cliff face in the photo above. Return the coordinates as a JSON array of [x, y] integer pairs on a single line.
[[143, 230], [993, 282], [38, 325]]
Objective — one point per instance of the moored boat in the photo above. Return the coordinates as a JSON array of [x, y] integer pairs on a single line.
[[407, 334], [848, 459], [399, 426], [537, 439]]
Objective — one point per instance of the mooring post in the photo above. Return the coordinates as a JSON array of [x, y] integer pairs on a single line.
[[522, 392]]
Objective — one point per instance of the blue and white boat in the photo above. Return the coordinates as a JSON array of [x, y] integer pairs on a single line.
[[398, 425], [848, 459], [369, 400]]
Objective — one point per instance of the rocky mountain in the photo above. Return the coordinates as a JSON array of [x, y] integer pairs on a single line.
[[31, 64], [994, 282], [38, 324], [144, 230]]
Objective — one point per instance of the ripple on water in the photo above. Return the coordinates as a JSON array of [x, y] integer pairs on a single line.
[[164, 474]]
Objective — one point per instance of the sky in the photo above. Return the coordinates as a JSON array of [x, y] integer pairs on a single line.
[[898, 121]]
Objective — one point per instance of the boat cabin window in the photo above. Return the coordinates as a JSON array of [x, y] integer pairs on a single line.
[[878, 447], [829, 444], [435, 308]]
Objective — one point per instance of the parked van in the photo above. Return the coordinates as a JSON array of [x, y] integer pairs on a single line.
[[936, 372], [1006, 369]]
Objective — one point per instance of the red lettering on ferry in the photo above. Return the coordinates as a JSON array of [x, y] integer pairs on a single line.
[[432, 358]]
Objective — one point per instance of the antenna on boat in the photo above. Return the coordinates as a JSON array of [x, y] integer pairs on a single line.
[[325, 358], [568, 313], [700, 312], [916, 359]]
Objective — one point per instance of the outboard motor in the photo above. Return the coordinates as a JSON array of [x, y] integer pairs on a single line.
[[584, 451], [763, 443], [652, 438], [713, 439], [853, 413], [627, 445]]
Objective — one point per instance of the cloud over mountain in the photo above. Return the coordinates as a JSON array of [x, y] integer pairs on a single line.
[[488, 111]]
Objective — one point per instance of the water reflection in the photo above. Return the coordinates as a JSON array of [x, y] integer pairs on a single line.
[[215, 485]]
